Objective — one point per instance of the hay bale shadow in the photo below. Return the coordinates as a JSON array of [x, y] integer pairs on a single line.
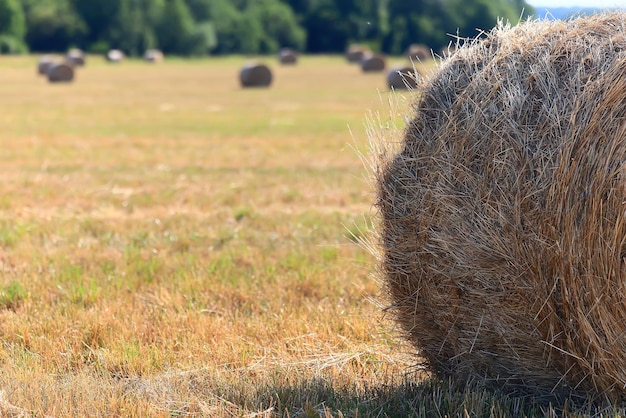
[[427, 398]]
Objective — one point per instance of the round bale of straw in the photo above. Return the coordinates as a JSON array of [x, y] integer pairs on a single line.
[[115, 56], [45, 62], [75, 57], [255, 75], [418, 52], [448, 50], [60, 73], [288, 56], [503, 212], [153, 56], [373, 63], [355, 53], [402, 78]]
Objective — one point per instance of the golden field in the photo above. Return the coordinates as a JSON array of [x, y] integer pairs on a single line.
[[174, 245]]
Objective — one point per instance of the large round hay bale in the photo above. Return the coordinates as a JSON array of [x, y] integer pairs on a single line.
[[60, 73], [503, 214], [153, 56], [355, 53], [288, 56], [448, 50], [75, 57], [402, 78], [45, 62], [115, 56], [255, 75], [373, 63], [418, 52]]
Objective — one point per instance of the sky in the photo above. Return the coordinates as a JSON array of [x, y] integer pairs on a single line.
[[577, 3]]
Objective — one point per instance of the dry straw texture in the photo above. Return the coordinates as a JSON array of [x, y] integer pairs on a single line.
[[60, 73], [255, 75], [402, 78], [503, 230]]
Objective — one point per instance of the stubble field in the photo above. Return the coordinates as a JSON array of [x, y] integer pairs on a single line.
[[173, 245]]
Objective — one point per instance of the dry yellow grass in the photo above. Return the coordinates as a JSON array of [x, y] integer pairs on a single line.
[[172, 245]]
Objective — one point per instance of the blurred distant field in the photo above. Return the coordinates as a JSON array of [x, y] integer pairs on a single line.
[[174, 245]]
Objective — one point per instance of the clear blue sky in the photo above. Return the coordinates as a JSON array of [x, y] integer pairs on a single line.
[[577, 3]]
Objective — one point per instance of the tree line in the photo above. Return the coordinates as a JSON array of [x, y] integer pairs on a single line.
[[200, 27]]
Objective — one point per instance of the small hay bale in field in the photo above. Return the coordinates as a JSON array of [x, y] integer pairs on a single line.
[[503, 214], [45, 62], [60, 73], [115, 56], [153, 56], [356, 53], [402, 78], [255, 75], [288, 56], [418, 52], [373, 63], [75, 57]]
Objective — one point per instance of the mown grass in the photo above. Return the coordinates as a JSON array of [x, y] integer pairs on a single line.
[[173, 245]]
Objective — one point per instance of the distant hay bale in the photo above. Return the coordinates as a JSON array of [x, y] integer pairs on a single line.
[[373, 63], [45, 62], [288, 56], [115, 56], [255, 75], [402, 78], [418, 52], [153, 56], [60, 73], [75, 57], [503, 214], [356, 53]]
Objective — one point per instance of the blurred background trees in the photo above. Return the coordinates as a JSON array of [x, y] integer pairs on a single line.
[[200, 27]]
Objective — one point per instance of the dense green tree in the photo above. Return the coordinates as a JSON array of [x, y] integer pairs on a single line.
[[238, 26], [328, 29], [278, 23], [438, 22], [332, 24], [12, 27], [52, 25], [175, 26], [191, 27], [99, 16], [481, 15], [133, 28], [202, 10], [425, 22], [178, 32]]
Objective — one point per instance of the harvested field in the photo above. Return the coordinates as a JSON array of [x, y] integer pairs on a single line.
[[174, 245], [173, 250]]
